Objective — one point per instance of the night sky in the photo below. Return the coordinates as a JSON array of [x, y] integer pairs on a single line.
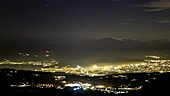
[[77, 19]]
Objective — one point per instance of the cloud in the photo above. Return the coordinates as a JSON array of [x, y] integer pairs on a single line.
[[164, 21], [156, 5], [116, 0], [154, 9], [117, 38]]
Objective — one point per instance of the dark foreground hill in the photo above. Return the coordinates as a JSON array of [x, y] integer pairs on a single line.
[[8, 77], [159, 87]]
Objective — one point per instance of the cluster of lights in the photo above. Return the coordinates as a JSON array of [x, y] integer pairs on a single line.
[[44, 63], [95, 70], [105, 89], [154, 57]]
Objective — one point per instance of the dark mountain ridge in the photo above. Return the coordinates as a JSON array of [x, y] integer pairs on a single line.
[[105, 44]]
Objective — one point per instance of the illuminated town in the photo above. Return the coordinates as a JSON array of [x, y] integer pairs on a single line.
[[149, 65], [95, 78]]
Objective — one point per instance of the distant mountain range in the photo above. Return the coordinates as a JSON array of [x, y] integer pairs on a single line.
[[105, 44], [110, 44], [84, 52]]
